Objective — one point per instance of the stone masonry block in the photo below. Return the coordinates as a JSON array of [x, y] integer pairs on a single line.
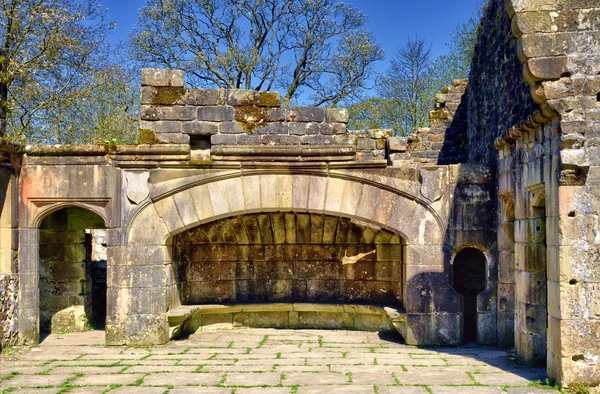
[[200, 128], [334, 128], [147, 228], [172, 138], [178, 112], [160, 77], [306, 115], [201, 197], [231, 128], [366, 144], [215, 114], [205, 97], [397, 144], [237, 97], [338, 115], [429, 329], [162, 127], [223, 139]]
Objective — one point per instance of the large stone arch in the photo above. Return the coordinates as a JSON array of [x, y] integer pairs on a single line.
[[143, 277], [384, 207]]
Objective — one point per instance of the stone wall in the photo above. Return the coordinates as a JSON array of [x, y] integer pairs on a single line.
[[443, 142], [9, 282], [288, 257], [498, 97], [548, 166], [9, 301], [208, 118]]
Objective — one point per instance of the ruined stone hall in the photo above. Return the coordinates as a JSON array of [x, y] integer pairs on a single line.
[[237, 212]]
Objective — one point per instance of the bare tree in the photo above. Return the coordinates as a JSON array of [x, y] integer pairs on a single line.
[[409, 82], [292, 45]]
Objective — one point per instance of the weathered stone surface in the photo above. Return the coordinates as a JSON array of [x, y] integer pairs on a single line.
[[160, 77]]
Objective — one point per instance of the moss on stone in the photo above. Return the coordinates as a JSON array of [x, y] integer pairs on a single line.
[[147, 136], [168, 95], [250, 117], [199, 162], [440, 114], [268, 99]]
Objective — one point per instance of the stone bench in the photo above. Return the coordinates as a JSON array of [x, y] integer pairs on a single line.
[[188, 319]]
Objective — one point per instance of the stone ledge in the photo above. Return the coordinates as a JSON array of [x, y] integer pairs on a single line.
[[187, 318], [283, 153]]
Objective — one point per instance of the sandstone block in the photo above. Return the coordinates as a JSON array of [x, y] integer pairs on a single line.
[[333, 128], [231, 128], [205, 97], [305, 115], [200, 128], [223, 139], [162, 127], [172, 138], [336, 115], [366, 144], [215, 114], [237, 97], [160, 77]]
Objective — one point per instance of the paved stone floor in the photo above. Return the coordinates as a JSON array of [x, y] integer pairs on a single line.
[[262, 361]]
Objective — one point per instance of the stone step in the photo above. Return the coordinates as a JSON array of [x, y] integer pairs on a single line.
[[283, 315]]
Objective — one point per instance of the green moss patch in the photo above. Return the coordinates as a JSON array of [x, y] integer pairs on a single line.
[[168, 95]]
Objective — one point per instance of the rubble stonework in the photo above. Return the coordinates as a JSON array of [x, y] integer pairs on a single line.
[[237, 212]]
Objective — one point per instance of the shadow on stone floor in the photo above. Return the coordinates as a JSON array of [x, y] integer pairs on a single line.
[[498, 360]]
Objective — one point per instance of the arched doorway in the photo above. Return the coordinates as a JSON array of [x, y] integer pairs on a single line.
[[72, 271], [468, 276]]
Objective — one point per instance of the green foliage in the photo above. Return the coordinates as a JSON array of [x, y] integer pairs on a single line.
[[320, 47], [578, 388], [456, 64], [374, 113]]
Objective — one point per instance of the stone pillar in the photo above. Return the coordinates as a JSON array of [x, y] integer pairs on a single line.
[[29, 297], [139, 293], [506, 254], [433, 308], [530, 275]]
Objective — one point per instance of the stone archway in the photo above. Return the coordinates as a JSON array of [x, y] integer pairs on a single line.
[[144, 265], [57, 284]]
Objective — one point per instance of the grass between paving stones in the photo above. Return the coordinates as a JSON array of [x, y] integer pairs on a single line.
[[45, 363], [9, 376], [262, 342]]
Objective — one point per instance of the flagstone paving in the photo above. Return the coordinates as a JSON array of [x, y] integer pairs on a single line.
[[264, 361]]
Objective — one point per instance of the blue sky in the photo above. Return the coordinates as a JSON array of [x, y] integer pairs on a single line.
[[392, 21]]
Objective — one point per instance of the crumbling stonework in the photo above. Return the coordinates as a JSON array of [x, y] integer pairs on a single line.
[[443, 142], [9, 333], [487, 218]]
